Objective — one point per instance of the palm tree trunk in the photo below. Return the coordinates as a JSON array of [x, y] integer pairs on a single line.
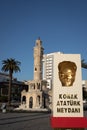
[[9, 89]]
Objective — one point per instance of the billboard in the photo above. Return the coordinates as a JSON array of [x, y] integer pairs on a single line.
[[67, 86]]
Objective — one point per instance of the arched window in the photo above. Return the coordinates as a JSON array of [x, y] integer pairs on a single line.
[[35, 69], [30, 102], [24, 99], [38, 85]]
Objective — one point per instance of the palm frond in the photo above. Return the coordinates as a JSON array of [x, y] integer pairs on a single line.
[[84, 64]]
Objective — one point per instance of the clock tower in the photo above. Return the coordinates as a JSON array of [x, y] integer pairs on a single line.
[[38, 56]]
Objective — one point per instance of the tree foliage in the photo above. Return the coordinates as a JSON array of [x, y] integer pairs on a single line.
[[84, 64], [10, 65]]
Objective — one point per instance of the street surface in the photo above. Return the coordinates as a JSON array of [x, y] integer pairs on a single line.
[[26, 121]]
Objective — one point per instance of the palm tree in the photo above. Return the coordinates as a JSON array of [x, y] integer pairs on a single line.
[[10, 65], [84, 64]]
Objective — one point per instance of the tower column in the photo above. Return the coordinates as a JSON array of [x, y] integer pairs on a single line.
[[38, 55]]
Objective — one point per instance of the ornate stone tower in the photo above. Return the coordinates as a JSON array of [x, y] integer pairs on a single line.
[[38, 55], [36, 96]]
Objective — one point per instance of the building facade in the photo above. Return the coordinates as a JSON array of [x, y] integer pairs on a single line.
[[17, 87], [36, 97], [48, 68]]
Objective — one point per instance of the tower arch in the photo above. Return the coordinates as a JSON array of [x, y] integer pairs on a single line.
[[31, 102]]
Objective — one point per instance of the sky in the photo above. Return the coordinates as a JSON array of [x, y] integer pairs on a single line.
[[60, 24]]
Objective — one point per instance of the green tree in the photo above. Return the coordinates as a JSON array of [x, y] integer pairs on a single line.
[[84, 64], [11, 66]]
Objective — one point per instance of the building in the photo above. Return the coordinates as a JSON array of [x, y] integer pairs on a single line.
[[36, 97], [38, 56], [4, 77], [84, 84], [17, 87], [48, 68]]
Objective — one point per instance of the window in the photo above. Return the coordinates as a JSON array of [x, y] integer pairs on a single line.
[[35, 69]]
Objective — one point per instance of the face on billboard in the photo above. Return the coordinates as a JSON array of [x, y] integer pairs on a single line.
[[67, 73]]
